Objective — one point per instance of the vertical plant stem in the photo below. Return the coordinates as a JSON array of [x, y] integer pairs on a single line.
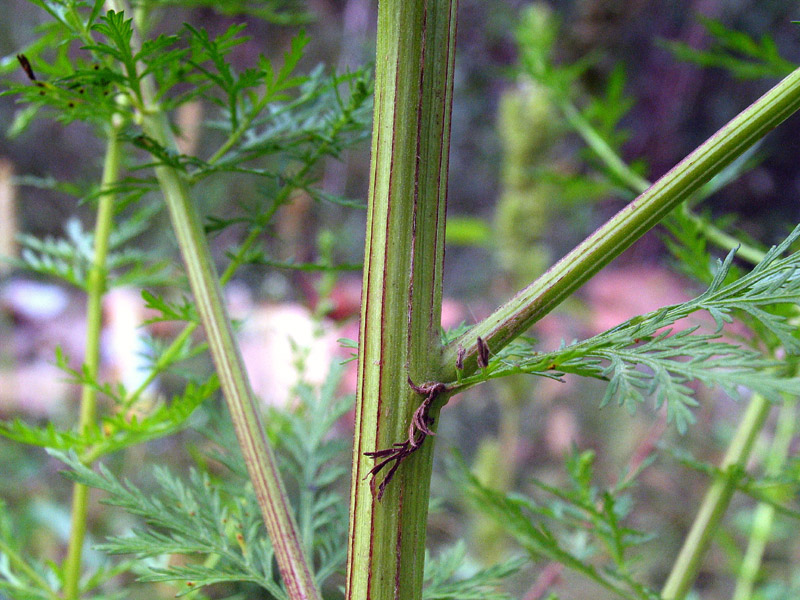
[[715, 503], [261, 464], [765, 513], [401, 298], [97, 278]]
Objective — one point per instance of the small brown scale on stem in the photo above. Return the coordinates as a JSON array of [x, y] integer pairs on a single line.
[[418, 430], [462, 352], [483, 353]]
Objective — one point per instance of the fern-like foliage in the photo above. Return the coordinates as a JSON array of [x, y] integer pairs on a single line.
[[216, 523], [577, 525], [19, 574], [133, 422], [645, 356], [69, 258], [444, 578], [312, 459], [197, 518], [24, 577], [739, 53], [276, 123]]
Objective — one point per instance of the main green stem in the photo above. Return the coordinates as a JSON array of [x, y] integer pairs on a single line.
[[96, 288], [402, 290], [242, 404]]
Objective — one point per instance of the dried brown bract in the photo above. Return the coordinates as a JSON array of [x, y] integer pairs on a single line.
[[483, 353], [418, 430]]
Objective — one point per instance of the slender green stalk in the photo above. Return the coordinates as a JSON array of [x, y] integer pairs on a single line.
[[261, 463], [765, 513], [96, 288], [242, 404], [721, 239], [167, 357], [401, 298], [572, 271], [600, 147], [687, 564]]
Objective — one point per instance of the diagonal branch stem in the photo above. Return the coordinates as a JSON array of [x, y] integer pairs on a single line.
[[562, 279]]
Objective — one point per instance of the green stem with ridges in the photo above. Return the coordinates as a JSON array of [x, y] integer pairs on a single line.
[[96, 288], [242, 404], [572, 271], [401, 298]]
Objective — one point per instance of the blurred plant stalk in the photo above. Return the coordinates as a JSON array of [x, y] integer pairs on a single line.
[[244, 409], [97, 286], [8, 215]]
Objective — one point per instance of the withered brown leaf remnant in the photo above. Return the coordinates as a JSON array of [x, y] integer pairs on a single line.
[[483, 353], [26, 66], [418, 430]]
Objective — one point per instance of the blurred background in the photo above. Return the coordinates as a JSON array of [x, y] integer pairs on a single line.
[[505, 227]]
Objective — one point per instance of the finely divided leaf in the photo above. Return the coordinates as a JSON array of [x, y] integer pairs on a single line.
[[646, 357]]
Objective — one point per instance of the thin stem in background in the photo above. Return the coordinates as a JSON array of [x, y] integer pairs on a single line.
[[639, 184], [716, 501], [294, 566], [764, 513], [96, 288]]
